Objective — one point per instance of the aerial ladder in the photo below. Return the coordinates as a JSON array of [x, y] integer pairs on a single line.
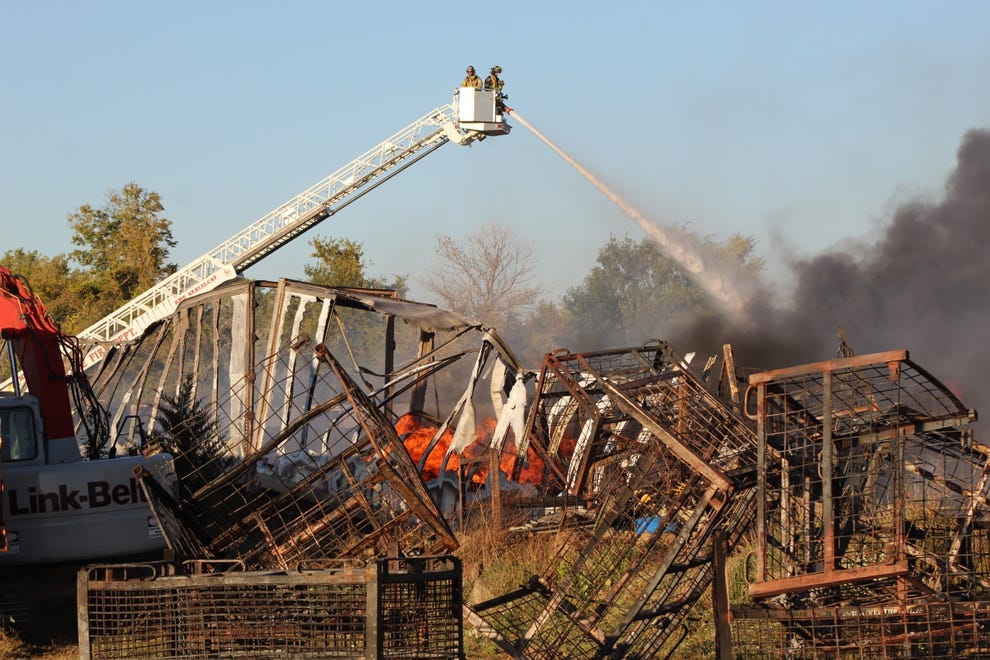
[[472, 116]]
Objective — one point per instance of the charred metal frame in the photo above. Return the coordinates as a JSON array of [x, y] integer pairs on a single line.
[[864, 476], [309, 464], [662, 464], [871, 521]]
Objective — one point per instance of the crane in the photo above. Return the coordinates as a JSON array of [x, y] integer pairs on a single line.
[[57, 507]]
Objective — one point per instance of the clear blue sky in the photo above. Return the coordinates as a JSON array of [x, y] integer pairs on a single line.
[[799, 123]]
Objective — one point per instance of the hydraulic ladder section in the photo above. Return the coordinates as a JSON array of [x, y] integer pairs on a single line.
[[278, 227]]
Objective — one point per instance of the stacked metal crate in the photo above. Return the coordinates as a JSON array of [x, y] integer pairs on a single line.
[[871, 515]]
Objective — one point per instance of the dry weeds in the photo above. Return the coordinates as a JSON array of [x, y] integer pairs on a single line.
[[11, 646]]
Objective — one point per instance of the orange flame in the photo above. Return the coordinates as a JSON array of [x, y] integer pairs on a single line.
[[418, 436]]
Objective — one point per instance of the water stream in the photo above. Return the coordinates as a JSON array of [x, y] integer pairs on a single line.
[[675, 247]]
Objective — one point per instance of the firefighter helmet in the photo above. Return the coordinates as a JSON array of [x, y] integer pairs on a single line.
[[470, 69], [496, 69]]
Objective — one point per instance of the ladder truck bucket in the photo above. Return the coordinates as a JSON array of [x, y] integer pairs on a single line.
[[480, 111]]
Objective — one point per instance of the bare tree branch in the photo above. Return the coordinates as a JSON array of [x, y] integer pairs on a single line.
[[487, 275]]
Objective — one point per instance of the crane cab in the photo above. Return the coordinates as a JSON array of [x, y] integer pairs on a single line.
[[58, 508], [478, 110]]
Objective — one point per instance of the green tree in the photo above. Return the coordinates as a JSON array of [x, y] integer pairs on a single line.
[[487, 275], [188, 433], [52, 279], [549, 326], [123, 248], [635, 292], [341, 262]]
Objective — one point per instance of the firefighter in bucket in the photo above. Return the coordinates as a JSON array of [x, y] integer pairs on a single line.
[[493, 83]]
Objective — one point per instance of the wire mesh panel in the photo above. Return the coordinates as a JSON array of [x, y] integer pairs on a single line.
[[391, 608], [925, 630], [420, 608], [129, 611], [872, 522], [662, 464]]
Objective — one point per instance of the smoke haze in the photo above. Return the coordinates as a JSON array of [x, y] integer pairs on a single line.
[[922, 286]]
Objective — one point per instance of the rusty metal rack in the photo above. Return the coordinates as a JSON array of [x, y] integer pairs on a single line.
[[282, 505], [872, 536], [869, 487], [922, 630], [390, 608], [663, 465]]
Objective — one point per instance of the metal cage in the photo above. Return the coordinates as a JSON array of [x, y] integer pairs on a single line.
[[390, 608]]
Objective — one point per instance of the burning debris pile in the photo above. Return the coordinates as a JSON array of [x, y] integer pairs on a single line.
[[331, 480], [309, 464], [865, 493]]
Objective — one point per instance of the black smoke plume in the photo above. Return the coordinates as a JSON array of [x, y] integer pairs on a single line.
[[923, 286]]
